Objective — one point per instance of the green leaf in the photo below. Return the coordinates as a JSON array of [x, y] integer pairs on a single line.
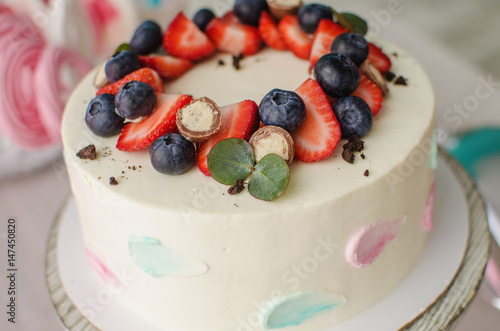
[[123, 47], [356, 23], [231, 159], [270, 178]]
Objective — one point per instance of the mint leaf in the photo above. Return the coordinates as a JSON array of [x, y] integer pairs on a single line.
[[270, 178], [356, 23], [231, 159], [123, 47]]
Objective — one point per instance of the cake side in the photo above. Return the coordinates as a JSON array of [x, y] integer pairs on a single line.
[[258, 251]]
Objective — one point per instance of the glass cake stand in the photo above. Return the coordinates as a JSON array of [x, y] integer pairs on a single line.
[[432, 296]]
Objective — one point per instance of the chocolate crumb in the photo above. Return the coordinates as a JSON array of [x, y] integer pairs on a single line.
[[354, 144], [401, 81], [395, 54], [99, 178], [366, 173], [123, 172], [129, 167], [221, 63], [363, 156], [237, 61], [389, 76], [87, 153], [134, 168], [140, 167], [237, 187], [348, 155], [236, 205], [112, 181]]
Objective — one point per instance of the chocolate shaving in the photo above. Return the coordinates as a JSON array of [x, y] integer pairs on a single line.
[[112, 181], [363, 156], [401, 81], [221, 63], [366, 173], [237, 188], [389, 76], [237, 61], [348, 155], [87, 153]]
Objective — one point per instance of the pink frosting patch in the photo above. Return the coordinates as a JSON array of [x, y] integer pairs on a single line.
[[369, 242], [429, 207], [53, 85], [99, 266]]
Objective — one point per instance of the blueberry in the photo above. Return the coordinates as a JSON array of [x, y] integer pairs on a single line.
[[147, 38], [310, 16], [354, 116], [248, 11], [202, 18], [101, 117], [282, 108], [352, 45], [135, 99], [121, 64], [172, 154], [337, 75]]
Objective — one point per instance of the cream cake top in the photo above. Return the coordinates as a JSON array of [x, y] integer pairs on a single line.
[[406, 117]]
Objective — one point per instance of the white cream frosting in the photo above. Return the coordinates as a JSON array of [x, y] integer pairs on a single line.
[[257, 251]]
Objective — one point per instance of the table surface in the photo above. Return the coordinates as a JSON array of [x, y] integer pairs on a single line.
[[34, 199]]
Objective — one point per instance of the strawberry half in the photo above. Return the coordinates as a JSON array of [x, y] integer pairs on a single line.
[[378, 58], [318, 136], [295, 39], [146, 75], [184, 39], [268, 30], [167, 66], [231, 36], [239, 120], [371, 93], [323, 38], [137, 136]]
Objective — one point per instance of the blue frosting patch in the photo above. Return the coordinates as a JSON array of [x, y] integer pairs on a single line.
[[158, 260], [298, 308], [153, 4]]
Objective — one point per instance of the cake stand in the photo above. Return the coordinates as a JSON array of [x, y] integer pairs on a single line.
[[432, 296]]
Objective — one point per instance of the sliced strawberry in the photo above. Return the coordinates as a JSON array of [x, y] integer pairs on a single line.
[[378, 58], [371, 93], [136, 136], [326, 32], [184, 39], [167, 66], [146, 75], [239, 120], [230, 35], [295, 39], [268, 30], [318, 136]]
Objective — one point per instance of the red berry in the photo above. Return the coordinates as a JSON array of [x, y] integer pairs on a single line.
[[145, 75], [231, 36], [378, 58], [325, 34], [184, 39], [167, 66], [295, 39], [268, 30], [318, 136], [239, 120], [139, 135], [371, 93]]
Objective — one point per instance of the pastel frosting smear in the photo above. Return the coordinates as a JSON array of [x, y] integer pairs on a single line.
[[298, 308], [97, 263], [369, 242], [429, 207], [157, 260]]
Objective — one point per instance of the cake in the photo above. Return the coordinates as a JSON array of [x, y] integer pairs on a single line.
[[187, 255]]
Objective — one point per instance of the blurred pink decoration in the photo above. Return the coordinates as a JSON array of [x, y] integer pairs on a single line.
[[429, 207]]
